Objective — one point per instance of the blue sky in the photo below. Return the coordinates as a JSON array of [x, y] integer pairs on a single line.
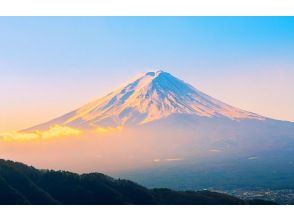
[[49, 65]]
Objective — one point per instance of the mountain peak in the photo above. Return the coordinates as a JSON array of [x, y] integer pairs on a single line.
[[156, 73]]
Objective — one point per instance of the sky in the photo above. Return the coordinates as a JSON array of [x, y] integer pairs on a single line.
[[52, 65]]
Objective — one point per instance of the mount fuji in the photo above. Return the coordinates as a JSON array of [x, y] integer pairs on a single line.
[[180, 136], [149, 97]]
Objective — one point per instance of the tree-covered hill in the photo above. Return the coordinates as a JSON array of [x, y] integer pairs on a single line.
[[21, 184]]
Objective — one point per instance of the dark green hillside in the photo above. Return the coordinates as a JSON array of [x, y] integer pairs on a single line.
[[21, 184]]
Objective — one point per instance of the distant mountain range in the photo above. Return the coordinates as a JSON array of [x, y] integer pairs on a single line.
[[24, 185]]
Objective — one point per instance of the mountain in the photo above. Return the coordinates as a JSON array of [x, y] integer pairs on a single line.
[[172, 135], [159, 103], [24, 185], [146, 98]]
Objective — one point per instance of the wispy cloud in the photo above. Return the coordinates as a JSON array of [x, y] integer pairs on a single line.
[[157, 160], [173, 159], [56, 131], [215, 150], [53, 132], [253, 158]]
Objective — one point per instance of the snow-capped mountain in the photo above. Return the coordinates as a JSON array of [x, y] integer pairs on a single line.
[[165, 122], [148, 97]]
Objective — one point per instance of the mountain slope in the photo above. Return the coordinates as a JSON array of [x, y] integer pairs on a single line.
[[20, 184], [149, 97]]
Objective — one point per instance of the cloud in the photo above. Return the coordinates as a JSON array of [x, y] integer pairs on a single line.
[[174, 159], [157, 160], [215, 150], [252, 158], [104, 130], [53, 132], [56, 131]]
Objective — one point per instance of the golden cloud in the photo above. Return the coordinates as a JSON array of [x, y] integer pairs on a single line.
[[53, 132], [104, 130]]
